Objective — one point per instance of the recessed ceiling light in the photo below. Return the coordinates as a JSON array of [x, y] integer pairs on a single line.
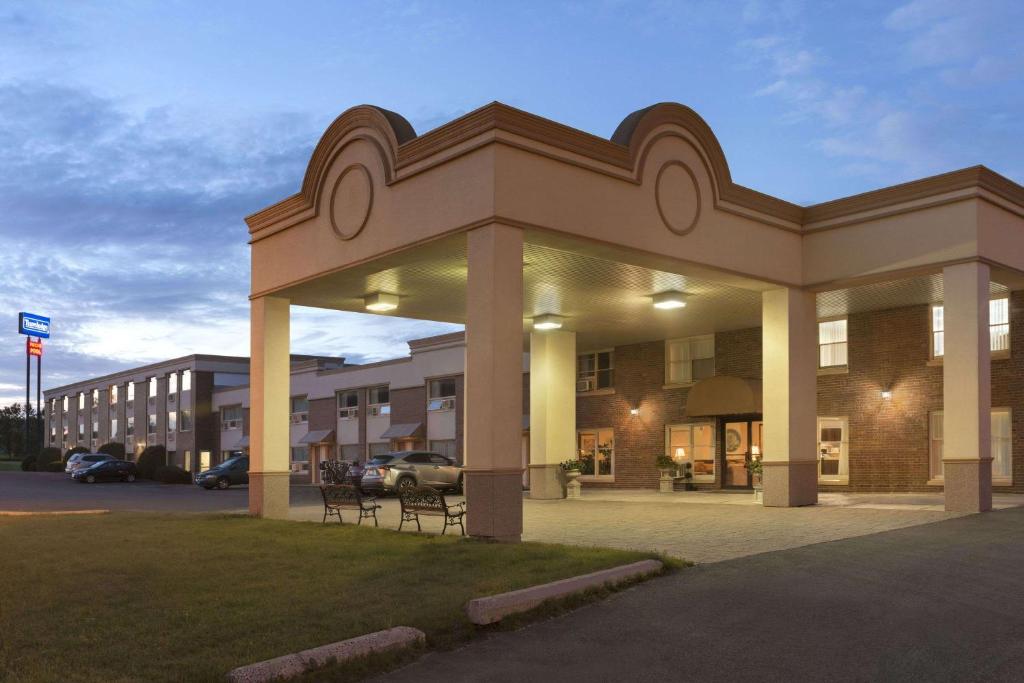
[[669, 300], [548, 321], [379, 302]]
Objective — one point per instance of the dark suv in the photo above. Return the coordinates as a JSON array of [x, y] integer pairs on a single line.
[[232, 471]]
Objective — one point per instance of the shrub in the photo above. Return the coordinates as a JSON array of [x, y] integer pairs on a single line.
[[150, 460], [47, 456], [28, 464], [55, 466], [172, 474], [74, 451], [113, 448]]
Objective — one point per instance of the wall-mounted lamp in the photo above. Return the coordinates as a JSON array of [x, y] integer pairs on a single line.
[[379, 302], [755, 451], [886, 394], [669, 300], [548, 321], [634, 411]]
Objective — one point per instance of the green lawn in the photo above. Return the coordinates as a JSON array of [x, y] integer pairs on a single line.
[[146, 597]]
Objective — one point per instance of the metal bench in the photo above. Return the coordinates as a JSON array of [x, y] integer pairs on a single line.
[[338, 497], [423, 500]]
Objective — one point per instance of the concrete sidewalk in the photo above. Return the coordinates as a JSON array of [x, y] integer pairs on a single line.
[[936, 602]]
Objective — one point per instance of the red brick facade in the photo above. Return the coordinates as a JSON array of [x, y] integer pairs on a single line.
[[888, 439]]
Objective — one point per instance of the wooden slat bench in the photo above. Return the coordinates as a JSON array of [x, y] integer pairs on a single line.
[[424, 500], [338, 497]]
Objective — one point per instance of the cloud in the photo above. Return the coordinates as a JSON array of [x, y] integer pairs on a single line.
[[127, 229]]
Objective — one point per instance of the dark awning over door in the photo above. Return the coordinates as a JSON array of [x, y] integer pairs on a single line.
[[724, 395]]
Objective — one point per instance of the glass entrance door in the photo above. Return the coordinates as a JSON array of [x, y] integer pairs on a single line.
[[740, 440]]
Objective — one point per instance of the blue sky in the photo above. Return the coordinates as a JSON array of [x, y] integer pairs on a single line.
[[135, 136]]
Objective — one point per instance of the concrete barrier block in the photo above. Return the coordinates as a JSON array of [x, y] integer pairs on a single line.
[[290, 666], [493, 608]]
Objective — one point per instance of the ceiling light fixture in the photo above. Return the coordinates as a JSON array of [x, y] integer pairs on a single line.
[[548, 321], [669, 300], [379, 302]]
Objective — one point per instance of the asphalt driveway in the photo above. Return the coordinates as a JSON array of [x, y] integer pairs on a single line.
[[935, 602], [47, 491]]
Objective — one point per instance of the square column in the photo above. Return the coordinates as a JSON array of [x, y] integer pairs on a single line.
[[966, 389], [552, 410], [790, 397], [269, 384], [494, 383]]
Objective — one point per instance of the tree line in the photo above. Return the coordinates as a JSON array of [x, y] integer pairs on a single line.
[[12, 431]]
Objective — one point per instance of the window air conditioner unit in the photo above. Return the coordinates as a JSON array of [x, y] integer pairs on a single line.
[[296, 419], [584, 385], [448, 404], [348, 413]]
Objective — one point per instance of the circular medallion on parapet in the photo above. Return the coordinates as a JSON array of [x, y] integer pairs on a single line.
[[351, 200], [678, 197]]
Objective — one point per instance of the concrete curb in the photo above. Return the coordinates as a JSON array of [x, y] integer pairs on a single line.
[[31, 513], [298, 663], [493, 608]]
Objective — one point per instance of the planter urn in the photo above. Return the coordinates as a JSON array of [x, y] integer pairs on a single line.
[[666, 482], [572, 486]]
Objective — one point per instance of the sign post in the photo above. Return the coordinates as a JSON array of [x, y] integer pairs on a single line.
[[37, 326]]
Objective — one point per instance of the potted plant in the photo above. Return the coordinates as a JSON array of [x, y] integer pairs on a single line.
[[667, 467], [572, 470], [756, 469]]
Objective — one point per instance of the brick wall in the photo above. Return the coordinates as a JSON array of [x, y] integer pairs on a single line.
[[888, 439], [409, 406]]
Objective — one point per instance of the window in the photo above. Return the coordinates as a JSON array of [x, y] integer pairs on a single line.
[[204, 460], [186, 380], [172, 384], [300, 459], [299, 409], [418, 458], [172, 421], [131, 392], [95, 429], [129, 426], [998, 327], [441, 394], [833, 450], [151, 424], [188, 461], [113, 394], [832, 346], [152, 387], [445, 447], [113, 428], [81, 431], [351, 452], [694, 443], [81, 401], [186, 420], [594, 371], [95, 398], [1002, 445], [596, 452], [348, 405], [65, 404], [231, 417], [379, 448], [379, 401], [689, 360]]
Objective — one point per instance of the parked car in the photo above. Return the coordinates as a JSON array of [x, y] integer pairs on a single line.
[[355, 473], [105, 470], [80, 461], [404, 469], [232, 471]]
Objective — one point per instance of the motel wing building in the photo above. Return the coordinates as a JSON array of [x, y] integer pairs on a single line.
[[865, 340]]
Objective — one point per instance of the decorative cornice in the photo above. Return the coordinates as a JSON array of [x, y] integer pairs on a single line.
[[622, 156]]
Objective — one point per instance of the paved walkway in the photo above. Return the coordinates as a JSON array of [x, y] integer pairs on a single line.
[[701, 527], [934, 602]]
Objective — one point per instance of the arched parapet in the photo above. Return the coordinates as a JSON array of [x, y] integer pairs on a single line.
[[644, 129], [382, 130]]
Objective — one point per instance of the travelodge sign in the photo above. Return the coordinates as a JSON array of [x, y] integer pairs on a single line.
[[34, 325]]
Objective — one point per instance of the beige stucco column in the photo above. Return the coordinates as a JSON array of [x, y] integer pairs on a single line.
[[269, 383], [790, 397], [966, 389], [494, 383], [552, 409]]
